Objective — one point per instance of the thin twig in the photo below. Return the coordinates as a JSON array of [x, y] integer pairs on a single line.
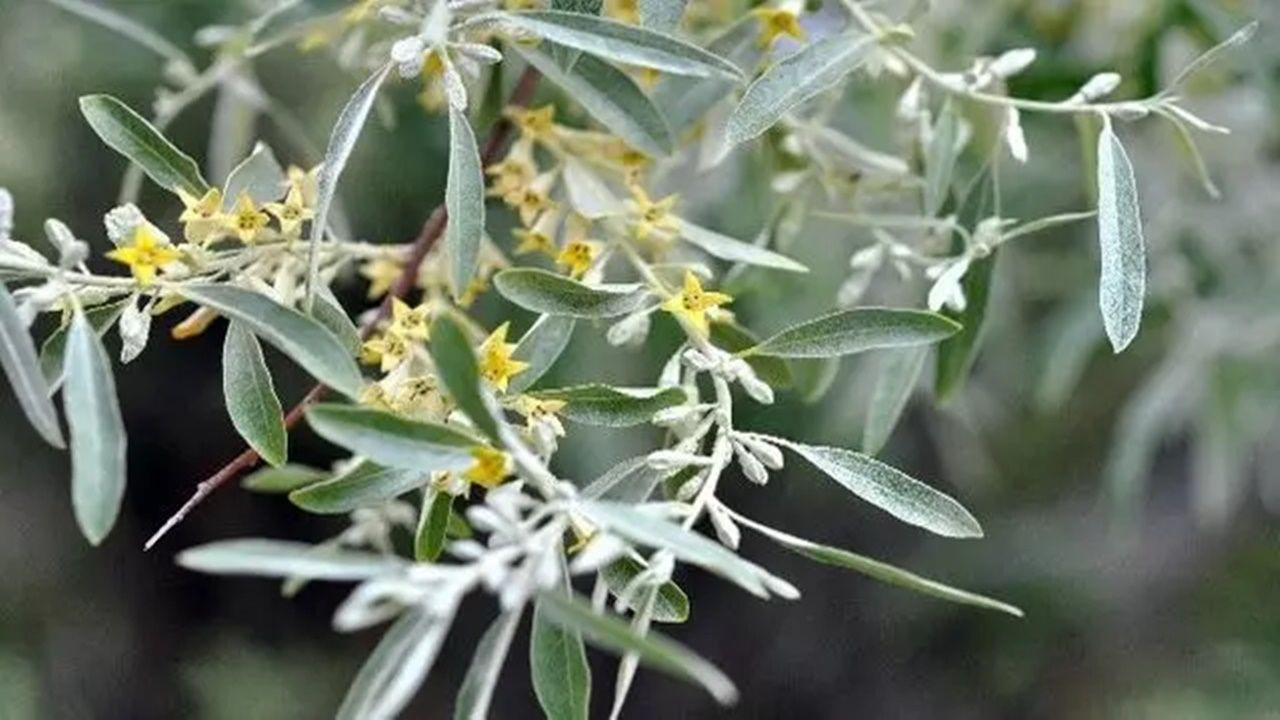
[[431, 231]]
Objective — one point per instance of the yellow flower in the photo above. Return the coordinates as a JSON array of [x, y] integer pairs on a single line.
[[473, 290], [532, 203], [577, 257], [488, 468], [432, 97], [775, 23], [496, 365], [291, 213], [147, 252], [627, 11], [387, 350], [306, 182], [375, 396], [536, 124], [532, 407], [246, 220], [649, 217], [382, 273], [419, 394], [202, 219], [539, 239], [514, 173], [691, 304], [409, 322]]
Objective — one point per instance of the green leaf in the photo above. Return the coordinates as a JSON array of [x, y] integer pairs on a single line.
[[22, 367], [365, 485], [686, 100], [611, 97], [464, 200], [97, 432], [476, 691], [940, 159], [397, 667], [607, 406], [392, 440], [671, 605], [797, 78], [1122, 284], [433, 526], [895, 379], [957, 353], [342, 141], [457, 369], [540, 347], [277, 480], [814, 377], [642, 528], [653, 650], [304, 340], [878, 570], [623, 43], [733, 337], [282, 558], [889, 489], [546, 292], [251, 397], [853, 331], [54, 349], [558, 661], [734, 250], [129, 134], [259, 175], [329, 312], [661, 15]]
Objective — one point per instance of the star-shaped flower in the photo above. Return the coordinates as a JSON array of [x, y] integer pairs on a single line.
[[202, 219], [409, 322], [651, 217], [147, 252], [246, 220], [496, 365], [775, 23], [691, 304], [291, 213], [577, 257]]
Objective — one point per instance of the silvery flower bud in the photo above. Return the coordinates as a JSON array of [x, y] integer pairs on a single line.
[[767, 453], [1014, 136], [1098, 86], [135, 328], [631, 330], [751, 465], [758, 389], [672, 416], [726, 529], [6, 213], [779, 587], [600, 550], [698, 361], [71, 252], [690, 488], [1012, 62], [672, 460]]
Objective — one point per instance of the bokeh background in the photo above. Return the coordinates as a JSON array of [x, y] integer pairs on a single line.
[[1167, 605]]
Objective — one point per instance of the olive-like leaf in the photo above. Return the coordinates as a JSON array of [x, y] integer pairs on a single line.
[[129, 134], [456, 366], [1122, 284], [608, 406], [365, 485], [476, 691], [97, 432], [259, 176], [895, 379], [22, 367], [539, 347], [283, 558], [853, 331], [552, 294], [670, 606], [433, 525], [397, 667], [283, 479], [392, 440], [889, 489], [251, 397], [304, 340], [734, 250], [558, 661], [53, 351], [464, 201]]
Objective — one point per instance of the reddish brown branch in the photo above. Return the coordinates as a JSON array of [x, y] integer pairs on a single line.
[[431, 231]]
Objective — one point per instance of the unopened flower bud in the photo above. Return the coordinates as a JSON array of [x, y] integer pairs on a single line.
[[726, 529]]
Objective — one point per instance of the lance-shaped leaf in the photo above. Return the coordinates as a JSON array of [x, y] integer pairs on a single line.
[[853, 331], [302, 339], [895, 379], [365, 485], [653, 650], [394, 671], [457, 369], [540, 347], [22, 367], [552, 294], [623, 43], [283, 558], [882, 571], [53, 351], [287, 478], [889, 489], [645, 529], [670, 606], [129, 134], [330, 313], [797, 78], [97, 432], [685, 100], [342, 141], [433, 525], [464, 201], [611, 97], [558, 661], [476, 691], [251, 396], [661, 15], [1122, 284], [608, 406], [392, 440], [734, 250], [957, 353], [259, 176]]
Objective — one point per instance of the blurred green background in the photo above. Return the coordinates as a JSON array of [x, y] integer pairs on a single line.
[[1167, 607]]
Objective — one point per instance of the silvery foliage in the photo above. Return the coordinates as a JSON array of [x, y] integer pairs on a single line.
[[526, 540]]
